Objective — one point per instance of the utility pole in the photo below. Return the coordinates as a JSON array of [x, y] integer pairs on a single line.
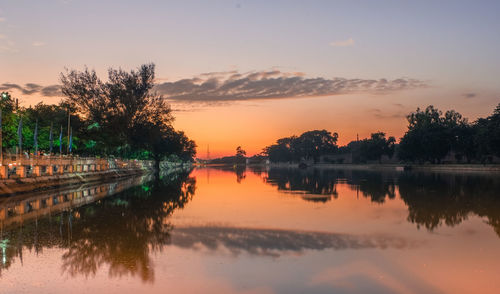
[[69, 127]]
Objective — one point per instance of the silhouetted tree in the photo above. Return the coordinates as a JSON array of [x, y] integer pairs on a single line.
[[430, 135], [309, 145], [487, 136], [240, 155], [371, 149], [125, 114]]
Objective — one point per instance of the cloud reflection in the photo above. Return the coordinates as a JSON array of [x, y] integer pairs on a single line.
[[273, 242]]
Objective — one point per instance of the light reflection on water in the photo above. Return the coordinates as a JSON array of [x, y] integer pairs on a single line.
[[231, 230]]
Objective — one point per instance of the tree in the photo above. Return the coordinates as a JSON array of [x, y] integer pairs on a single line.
[[428, 137], [313, 144], [124, 114], [373, 148], [240, 155], [309, 145]]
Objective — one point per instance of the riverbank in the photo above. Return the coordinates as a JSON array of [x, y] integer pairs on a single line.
[[400, 167], [17, 185], [32, 184]]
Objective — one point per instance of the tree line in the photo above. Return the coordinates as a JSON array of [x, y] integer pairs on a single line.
[[122, 117], [431, 136]]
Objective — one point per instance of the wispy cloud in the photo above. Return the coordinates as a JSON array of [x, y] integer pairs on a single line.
[[469, 95], [218, 88], [381, 115], [342, 43], [3, 19], [31, 88], [234, 86]]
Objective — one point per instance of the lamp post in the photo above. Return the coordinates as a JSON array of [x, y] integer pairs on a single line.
[[5, 96]]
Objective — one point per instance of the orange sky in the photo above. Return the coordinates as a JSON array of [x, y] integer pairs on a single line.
[[324, 42], [256, 124]]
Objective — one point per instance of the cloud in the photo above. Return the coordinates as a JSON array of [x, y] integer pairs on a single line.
[[217, 88], [342, 43], [31, 88], [469, 95], [51, 91], [38, 44], [379, 114], [234, 86], [3, 19]]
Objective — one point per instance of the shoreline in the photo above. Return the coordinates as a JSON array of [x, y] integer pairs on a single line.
[[16, 186], [400, 167]]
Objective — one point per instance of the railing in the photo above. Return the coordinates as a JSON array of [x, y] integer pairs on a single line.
[[22, 166]]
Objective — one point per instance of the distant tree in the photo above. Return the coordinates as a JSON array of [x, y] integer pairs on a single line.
[[309, 145], [373, 148], [282, 151], [313, 144], [487, 136], [428, 137], [240, 155]]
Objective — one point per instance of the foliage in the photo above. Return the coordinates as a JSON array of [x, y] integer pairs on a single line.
[[119, 117], [431, 136], [309, 145], [124, 116], [240, 155], [371, 149]]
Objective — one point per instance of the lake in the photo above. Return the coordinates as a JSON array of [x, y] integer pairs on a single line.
[[225, 230]]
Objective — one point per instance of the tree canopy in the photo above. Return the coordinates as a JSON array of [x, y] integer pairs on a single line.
[[122, 116], [308, 146], [125, 114]]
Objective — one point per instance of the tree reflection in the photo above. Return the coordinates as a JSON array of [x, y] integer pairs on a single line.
[[374, 185], [435, 199], [432, 198], [119, 232]]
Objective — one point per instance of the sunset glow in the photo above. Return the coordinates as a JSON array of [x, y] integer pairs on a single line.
[[452, 62]]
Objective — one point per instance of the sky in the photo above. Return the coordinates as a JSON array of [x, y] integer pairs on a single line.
[[245, 73]]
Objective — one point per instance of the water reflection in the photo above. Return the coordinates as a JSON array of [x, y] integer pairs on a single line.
[[120, 231], [273, 242], [374, 185], [436, 199], [118, 227], [433, 199]]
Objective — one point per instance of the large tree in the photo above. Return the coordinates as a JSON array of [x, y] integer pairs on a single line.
[[308, 146], [124, 113], [373, 148], [428, 137]]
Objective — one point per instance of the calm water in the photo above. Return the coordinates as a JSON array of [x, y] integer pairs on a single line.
[[257, 231]]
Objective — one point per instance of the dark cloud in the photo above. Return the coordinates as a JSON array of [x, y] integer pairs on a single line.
[[469, 95], [31, 88], [51, 91], [27, 89], [233, 86]]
